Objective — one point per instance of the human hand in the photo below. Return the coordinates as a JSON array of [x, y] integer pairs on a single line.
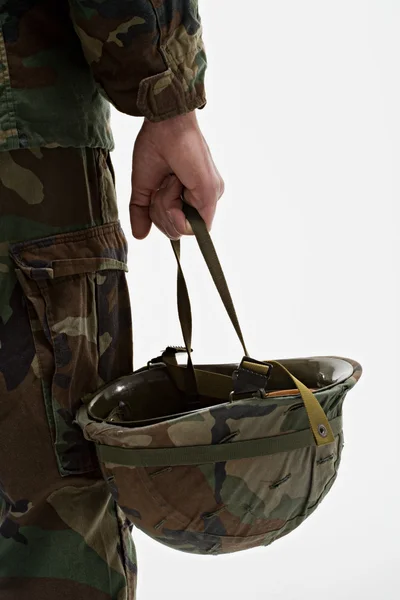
[[171, 158]]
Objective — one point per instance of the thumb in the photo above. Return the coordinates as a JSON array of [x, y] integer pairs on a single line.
[[177, 217]]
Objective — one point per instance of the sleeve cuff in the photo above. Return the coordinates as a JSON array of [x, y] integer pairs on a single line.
[[164, 96]]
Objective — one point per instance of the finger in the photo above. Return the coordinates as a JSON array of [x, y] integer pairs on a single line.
[[140, 221], [166, 226], [181, 225], [204, 199], [148, 174], [195, 169], [171, 207], [163, 201], [166, 209], [139, 209]]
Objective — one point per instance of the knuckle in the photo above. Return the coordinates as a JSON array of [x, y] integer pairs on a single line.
[[210, 188]]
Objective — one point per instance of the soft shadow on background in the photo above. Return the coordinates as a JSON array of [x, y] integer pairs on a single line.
[[303, 123]]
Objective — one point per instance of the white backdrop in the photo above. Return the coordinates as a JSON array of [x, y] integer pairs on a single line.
[[303, 123]]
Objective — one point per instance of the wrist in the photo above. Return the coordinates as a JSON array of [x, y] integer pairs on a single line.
[[177, 123]]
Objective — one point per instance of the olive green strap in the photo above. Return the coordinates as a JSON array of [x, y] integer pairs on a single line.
[[214, 266], [213, 385], [318, 420], [185, 318], [196, 455]]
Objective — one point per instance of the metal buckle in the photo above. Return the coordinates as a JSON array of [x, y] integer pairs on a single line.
[[170, 350], [250, 379], [260, 393]]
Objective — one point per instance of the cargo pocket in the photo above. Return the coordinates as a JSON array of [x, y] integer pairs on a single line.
[[77, 298]]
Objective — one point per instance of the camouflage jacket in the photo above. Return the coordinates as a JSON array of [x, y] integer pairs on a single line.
[[63, 61]]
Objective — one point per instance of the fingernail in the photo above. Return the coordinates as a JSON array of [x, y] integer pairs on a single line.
[[189, 230], [169, 217]]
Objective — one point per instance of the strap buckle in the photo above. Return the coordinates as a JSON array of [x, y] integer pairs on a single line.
[[169, 353], [250, 379]]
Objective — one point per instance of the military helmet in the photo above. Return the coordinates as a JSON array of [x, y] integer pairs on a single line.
[[211, 459]]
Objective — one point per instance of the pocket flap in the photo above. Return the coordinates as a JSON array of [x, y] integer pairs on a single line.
[[93, 249]]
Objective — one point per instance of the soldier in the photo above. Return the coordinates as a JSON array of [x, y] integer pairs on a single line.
[[65, 321]]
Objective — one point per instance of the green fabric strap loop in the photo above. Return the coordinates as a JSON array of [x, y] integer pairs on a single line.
[[195, 455]]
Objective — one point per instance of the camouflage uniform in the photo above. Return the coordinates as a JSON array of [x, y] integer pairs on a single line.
[[65, 320]]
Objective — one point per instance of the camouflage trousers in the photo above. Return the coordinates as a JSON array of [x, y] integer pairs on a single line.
[[65, 329]]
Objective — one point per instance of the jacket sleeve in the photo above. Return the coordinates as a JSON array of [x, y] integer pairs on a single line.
[[147, 56]]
